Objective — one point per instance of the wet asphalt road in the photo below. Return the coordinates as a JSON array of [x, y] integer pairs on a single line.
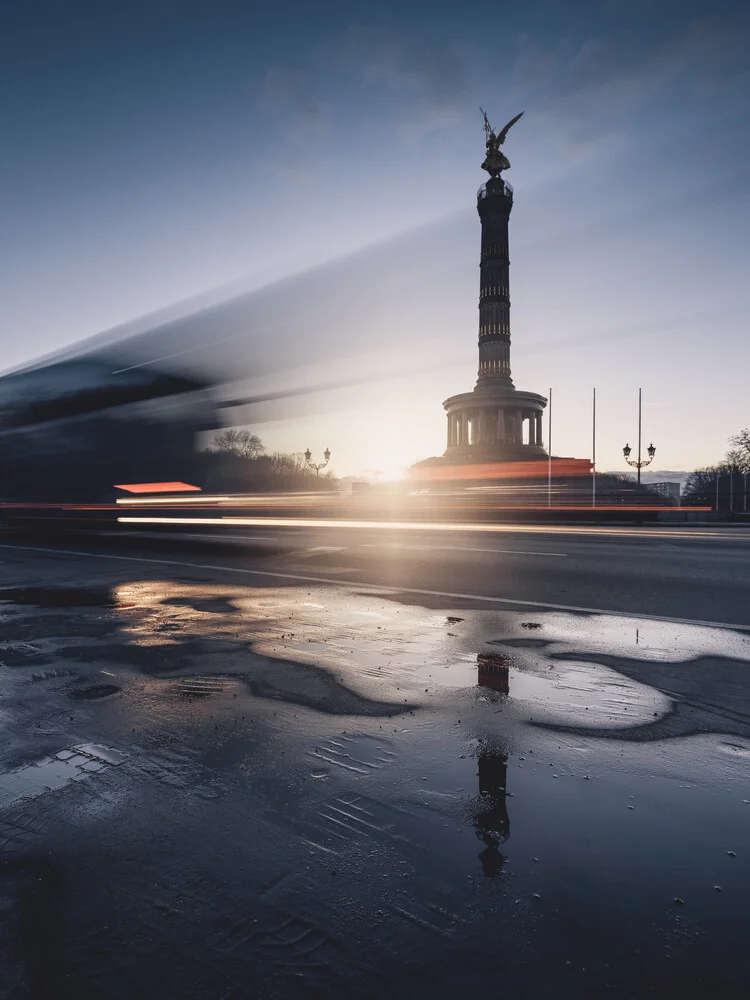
[[225, 775], [696, 574]]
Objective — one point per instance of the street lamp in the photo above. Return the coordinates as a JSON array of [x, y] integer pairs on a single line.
[[639, 463], [322, 465]]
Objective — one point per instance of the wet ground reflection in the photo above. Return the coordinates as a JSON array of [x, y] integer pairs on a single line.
[[313, 795], [594, 674], [491, 817], [493, 671]]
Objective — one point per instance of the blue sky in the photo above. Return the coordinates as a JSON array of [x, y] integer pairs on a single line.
[[155, 151]]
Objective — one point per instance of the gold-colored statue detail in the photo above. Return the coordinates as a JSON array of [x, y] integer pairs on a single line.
[[496, 161]]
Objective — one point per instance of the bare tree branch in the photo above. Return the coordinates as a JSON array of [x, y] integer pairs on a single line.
[[243, 444]]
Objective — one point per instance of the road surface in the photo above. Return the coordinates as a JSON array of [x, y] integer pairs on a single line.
[[363, 762]]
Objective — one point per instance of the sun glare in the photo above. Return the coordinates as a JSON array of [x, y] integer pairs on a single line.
[[390, 474]]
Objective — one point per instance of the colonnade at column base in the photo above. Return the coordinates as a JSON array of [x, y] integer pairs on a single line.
[[494, 424]]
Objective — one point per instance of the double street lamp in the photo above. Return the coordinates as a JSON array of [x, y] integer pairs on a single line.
[[322, 465], [639, 463]]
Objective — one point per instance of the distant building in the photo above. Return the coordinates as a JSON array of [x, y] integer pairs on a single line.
[[670, 491]]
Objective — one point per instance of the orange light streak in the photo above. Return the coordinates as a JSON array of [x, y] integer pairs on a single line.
[[158, 487], [503, 470]]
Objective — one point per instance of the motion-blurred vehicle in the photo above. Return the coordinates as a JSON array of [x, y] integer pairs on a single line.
[[74, 431]]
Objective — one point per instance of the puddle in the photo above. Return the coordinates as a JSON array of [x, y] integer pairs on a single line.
[[636, 637], [371, 653], [587, 694]]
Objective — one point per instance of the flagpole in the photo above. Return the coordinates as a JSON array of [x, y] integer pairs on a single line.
[[549, 451], [593, 450]]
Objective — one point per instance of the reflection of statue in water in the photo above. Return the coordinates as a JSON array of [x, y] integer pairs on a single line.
[[496, 161], [493, 672], [491, 818]]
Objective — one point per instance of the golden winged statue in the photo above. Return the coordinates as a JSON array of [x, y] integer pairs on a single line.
[[496, 161]]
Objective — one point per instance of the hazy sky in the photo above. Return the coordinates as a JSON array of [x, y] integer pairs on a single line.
[[155, 150]]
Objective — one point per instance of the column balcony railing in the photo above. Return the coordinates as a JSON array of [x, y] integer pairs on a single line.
[[499, 186]]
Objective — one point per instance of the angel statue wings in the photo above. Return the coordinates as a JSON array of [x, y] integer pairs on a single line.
[[496, 161]]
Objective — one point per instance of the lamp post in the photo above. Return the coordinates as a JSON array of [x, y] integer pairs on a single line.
[[322, 465], [640, 462]]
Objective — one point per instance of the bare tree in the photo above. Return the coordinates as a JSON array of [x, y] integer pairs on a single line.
[[242, 444], [700, 487], [739, 455]]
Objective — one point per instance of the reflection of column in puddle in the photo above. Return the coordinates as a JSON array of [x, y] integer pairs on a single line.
[[491, 819], [492, 671]]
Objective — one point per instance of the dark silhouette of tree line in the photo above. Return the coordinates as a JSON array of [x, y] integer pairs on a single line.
[[701, 486], [237, 461]]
